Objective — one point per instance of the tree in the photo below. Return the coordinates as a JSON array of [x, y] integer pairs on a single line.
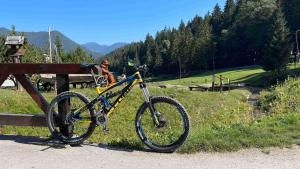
[[250, 31], [204, 50], [238, 36], [32, 54], [78, 55], [195, 25], [3, 49], [13, 31], [150, 51], [291, 9], [59, 48], [276, 53], [217, 20], [182, 51], [229, 10]]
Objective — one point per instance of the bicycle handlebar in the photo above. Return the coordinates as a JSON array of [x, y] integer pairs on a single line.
[[142, 67]]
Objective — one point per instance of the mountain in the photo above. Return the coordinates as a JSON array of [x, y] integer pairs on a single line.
[[103, 49], [4, 31], [40, 39]]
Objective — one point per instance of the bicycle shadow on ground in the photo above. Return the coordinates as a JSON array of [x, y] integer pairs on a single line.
[[119, 148], [50, 143], [33, 140]]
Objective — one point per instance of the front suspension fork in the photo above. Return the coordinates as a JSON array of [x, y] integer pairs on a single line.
[[154, 113]]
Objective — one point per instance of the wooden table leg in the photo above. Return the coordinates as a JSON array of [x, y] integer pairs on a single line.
[[64, 107]]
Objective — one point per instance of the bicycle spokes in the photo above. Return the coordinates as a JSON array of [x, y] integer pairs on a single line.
[[168, 125], [71, 113]]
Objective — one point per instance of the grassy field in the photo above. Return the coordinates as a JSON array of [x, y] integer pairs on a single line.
[[235, 74], [251, 75], [219, 121]]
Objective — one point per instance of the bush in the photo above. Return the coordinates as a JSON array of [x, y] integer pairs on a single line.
[[284, 98]]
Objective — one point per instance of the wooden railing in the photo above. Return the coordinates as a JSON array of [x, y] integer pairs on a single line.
[[221, 79]]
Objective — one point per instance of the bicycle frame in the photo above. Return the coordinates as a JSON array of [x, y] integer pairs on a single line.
[[133, 80]]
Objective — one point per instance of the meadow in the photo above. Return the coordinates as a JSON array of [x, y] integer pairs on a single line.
[[219, 121]]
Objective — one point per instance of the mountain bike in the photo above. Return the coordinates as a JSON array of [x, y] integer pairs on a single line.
[[161, 122]]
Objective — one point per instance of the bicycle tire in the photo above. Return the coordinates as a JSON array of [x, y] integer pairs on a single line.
[[52, 119], [140, 129]]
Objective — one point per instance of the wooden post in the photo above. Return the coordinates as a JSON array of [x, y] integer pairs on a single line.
[[229, 84], [64, 107], [213, 82], [221, 83], [17, 59]]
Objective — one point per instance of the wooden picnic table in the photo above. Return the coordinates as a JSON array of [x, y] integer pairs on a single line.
[[19, 71]]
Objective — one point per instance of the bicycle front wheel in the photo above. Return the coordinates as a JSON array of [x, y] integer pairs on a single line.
[[174, 127], [65, 124]]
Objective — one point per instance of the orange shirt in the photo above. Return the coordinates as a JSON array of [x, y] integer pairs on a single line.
[[107, 74]]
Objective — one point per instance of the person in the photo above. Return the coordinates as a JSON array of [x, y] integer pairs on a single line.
[[106, 73]]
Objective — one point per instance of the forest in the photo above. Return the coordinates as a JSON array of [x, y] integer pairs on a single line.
[[245, 32]]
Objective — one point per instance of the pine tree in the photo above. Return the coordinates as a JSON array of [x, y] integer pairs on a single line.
[[248, 35], [13, 31], [157, 60], [217, 20], [78, 55], [228, 13], [195, 25], [149, 57], [151, 52], [291, 9], [59, 49], [32, 54], [277, 51]]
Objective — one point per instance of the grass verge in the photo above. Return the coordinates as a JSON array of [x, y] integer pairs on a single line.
[[219, 121]]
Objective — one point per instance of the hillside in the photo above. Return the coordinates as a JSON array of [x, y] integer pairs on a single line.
[[103, 49], [40, 39]]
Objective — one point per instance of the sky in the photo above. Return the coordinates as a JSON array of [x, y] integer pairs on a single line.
[[101, 21]]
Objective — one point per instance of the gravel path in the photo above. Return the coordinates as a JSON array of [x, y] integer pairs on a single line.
[[32, 153]]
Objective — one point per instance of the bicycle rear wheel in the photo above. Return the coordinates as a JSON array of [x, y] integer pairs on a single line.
[[174, 127], [65, 124]]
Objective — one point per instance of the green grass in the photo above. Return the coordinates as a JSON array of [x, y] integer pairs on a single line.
[[219, 121], [250, 75], [235, 74]]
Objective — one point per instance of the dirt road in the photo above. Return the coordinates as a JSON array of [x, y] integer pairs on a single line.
[[32, 153]]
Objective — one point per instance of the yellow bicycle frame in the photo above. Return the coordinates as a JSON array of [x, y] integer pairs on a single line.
[[135, 79]]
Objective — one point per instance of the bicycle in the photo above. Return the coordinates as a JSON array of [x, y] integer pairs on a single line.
[[161, 122]]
